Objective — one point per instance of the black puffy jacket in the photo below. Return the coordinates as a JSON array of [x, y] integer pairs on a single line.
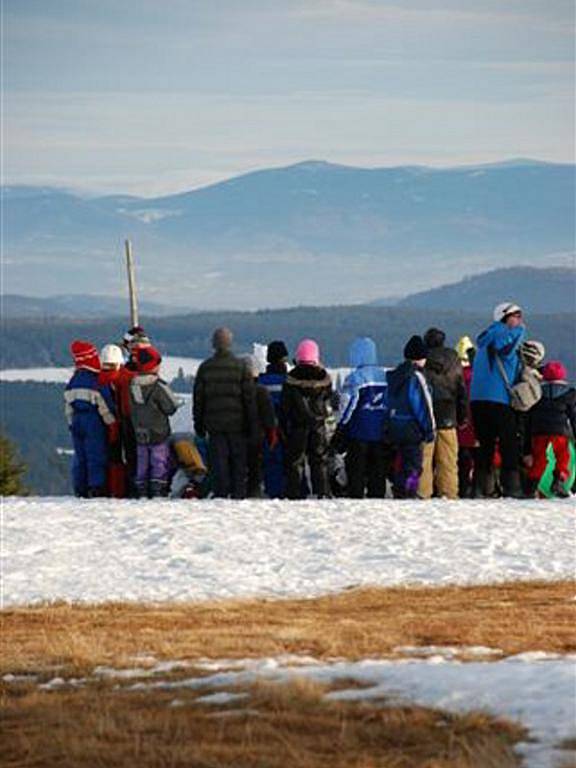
[[444, 375], [306, 397], [555, 412]]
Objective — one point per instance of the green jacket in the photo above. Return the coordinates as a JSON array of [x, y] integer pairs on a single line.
[[224, 396]]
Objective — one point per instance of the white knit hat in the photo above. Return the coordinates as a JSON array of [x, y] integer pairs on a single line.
[[111, 355]]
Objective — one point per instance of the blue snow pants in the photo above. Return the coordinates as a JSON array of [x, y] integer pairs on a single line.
[[274, 472], [89, 437]]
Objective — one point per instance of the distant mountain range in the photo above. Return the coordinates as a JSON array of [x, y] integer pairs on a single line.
[[539, 291], [312, 233]]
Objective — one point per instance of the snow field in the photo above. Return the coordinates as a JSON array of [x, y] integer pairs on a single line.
[[105, 549]]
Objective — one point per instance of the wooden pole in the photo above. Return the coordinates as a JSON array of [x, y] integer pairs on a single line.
[[131, 285]]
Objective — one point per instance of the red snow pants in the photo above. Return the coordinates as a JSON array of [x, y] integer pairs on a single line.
[[560, 445]]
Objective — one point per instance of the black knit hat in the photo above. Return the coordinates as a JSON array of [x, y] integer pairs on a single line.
[[415, 349], [434, 337], [276, 352]]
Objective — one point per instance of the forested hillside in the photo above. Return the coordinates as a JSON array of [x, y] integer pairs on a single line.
[[28, 343]]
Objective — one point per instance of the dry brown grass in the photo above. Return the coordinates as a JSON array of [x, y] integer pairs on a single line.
[[276, 727], [355, 624]]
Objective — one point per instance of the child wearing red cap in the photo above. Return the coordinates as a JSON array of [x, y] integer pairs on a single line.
[[89, 407], [152, 403], [552, 420]]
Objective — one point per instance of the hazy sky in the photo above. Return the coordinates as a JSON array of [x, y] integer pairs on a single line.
[[152, 96]]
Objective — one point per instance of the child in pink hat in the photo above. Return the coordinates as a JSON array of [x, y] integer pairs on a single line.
[[307, 405]]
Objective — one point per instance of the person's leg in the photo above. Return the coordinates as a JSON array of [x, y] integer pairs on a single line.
[[317, 450], [79, 472], [426, 482], [96, 448], [356, 456], [295, 461], [219, 459], [142, 486], [412, 469], [446, 455], [274, 471], [485, 427], [238, 450], [159, 469], [465, 472], [509, 440], [376, 470]]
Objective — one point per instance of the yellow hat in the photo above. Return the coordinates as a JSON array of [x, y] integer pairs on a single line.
[[462, 348]]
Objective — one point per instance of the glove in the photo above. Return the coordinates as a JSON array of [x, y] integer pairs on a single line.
[[272, 437]]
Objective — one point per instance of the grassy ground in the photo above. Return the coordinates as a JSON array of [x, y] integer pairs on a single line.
[[106, 723]]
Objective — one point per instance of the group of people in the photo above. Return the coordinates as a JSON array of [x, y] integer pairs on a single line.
[[474, 421]]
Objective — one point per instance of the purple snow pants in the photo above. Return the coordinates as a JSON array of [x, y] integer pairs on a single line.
[[153, 470]]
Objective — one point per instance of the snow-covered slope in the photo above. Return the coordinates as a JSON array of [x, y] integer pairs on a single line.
[[65, 548]]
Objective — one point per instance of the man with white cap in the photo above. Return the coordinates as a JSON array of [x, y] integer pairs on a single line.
[[494, 418]]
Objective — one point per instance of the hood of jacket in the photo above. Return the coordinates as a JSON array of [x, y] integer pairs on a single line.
[[362, 351], [308, 376]]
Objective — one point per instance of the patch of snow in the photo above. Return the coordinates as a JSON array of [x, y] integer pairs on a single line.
[[149, 215], [447, 652], [10, 678], [123, 674], [222, 697], [96, 550]]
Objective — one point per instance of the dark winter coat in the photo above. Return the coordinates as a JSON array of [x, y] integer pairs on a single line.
[[307, 398], [152, 402], [555, 412], [265, 410], [224, 396], [411, 414], [273, 379], [445, 378]]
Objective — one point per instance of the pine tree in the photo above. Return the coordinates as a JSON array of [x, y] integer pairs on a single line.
[[11, 470]]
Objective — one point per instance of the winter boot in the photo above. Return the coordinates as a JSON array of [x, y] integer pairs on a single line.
[[486, 483], [558, 489], [531, 489], [158, 489], [511, 488], [96, 493], [141, 489]]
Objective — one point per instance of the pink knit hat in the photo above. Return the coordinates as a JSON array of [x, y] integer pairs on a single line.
[[307, 352], [554, 371]]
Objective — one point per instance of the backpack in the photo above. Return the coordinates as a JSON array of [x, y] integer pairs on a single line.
[[527, 391]]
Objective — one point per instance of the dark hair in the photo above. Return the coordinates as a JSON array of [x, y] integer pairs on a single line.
[[434, 337]]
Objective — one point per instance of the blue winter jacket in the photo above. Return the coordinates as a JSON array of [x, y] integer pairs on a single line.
[[363, 405], [487, 380], [411, 415], [87, 400]]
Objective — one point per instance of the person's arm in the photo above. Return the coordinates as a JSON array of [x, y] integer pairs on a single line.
[[248, 394], [571, 412], [166, 399], [348, 400], [199, 404], [421, 405], [506, 341]]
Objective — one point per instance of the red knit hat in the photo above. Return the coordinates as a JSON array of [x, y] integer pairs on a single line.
[[146, 358], [554, 371], [85, 355]]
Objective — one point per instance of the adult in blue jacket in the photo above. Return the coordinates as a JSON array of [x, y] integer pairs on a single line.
[[363, 411], [411, 416], [494, 418]]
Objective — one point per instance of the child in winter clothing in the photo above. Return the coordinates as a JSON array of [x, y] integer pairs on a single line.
[[467, 442], [306, 405], [265, 432], [553, 420], [361, 424], [411, 416], [152, 402], [112, 362], [89, 407], [443, 373], [273, 379]]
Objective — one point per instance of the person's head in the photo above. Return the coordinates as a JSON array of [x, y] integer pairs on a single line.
[[147, 359], [276, 353], [465, 350], [554, 370], [85, 356], [111, 357], [434, 337], [307, 352], [416, 351], [135, 337], [222, 339], [509, 313], [362, 352]]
